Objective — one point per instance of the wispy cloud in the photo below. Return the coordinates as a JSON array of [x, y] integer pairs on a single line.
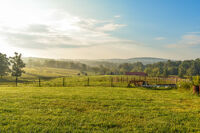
[[159, 38], [193, 32], [110, 27], [186, 41], [117, 16], [61, 30]]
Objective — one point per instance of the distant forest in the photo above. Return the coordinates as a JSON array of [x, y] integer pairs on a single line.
[[179, 68]]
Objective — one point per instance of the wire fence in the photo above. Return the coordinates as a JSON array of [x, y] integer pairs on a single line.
[[104, 81]]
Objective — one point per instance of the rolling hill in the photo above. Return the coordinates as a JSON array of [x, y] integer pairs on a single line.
[[144, 60]]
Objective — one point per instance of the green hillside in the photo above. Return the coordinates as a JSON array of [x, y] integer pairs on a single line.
[[48, 72]]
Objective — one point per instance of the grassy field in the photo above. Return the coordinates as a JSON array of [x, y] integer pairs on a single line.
[[36, 72], [33, 73], [53, 77], [97, 109]]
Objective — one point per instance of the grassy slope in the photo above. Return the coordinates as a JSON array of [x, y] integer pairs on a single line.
[[48, 72], [35, 72], [32, 74], [98, 109]]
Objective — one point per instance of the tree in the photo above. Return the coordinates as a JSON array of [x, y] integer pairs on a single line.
[[95, 69], [17, 66], [192, 70], [165, 73], [181, 71], [138, 67], [4, 65], [196, 81], [183, 67]]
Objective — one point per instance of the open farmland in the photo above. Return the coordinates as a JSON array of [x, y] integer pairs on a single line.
[[97, 109], [99, 66], [35, 72], [57, 77]]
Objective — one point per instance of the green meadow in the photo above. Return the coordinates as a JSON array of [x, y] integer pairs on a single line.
[[99, 66], [35, 72], [57, 77], [97, 109]]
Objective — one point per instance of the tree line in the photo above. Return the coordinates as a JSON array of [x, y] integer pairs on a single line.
[[56, 64], [11, 65], [179, 68]]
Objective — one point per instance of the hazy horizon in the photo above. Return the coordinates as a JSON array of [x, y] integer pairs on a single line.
[[100, 29], [95, 59]]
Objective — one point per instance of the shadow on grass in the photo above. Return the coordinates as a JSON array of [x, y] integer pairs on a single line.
[[5, 80], [160, 89], [155, 88]]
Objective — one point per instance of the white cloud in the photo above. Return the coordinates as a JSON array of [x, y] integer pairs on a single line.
[[172, 46], [186, 41], [159, 38], [193, 32], [58, 34], [39, 31], [59, 29], [110, 27], [117, 16]]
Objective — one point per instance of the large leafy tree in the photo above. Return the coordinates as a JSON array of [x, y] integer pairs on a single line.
[[17, 66], [138, 67], [192, 70], [183, 67], [4, 65]]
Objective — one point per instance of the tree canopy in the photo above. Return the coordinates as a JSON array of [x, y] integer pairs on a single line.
[[17, 65], [4, 65]]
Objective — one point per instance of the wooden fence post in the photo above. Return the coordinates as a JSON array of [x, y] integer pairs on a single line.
[[111, 82], [156, 80], [88, 82], [63, 82], [16, 81], [39, 82]]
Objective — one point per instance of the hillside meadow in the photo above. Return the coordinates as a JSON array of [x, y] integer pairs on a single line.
[[97, 109]]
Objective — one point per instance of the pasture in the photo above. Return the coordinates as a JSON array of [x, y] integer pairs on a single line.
[[56, 77], [97, 109]]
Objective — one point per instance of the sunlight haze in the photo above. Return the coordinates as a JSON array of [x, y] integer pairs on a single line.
[[100, 29]]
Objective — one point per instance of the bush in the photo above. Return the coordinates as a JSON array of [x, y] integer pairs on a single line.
[[184, 85], [196, 81]]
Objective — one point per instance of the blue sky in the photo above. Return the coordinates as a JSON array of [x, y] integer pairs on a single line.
[[101, 28]]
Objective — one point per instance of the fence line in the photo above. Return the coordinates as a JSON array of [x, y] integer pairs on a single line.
[[111, 81]]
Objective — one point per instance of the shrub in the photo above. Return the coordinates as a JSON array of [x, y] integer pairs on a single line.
[[196, 81], [184, 85]]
